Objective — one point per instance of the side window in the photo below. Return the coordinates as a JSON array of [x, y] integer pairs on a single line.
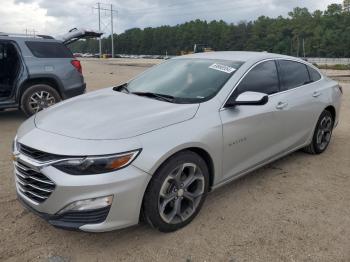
[[49, 49], [293, 74], [262, 78], [314, 75], [2, 52]]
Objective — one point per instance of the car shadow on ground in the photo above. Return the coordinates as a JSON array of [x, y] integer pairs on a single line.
[[15, 115]]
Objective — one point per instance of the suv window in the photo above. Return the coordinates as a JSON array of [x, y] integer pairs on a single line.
[[49, 49], [3, 53], [262, 78], [314, 75], [293, 74]]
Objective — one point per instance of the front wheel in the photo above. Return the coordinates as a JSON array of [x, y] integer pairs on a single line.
[[176, 192], [322, 134], [38, 97]]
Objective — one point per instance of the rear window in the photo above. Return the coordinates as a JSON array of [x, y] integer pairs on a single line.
[[314, 75], [293, 74], [49, 49]]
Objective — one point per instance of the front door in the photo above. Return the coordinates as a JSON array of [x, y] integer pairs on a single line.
[[252, 134], [11, 70]]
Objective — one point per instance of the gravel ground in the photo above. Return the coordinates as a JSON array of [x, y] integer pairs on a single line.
[[296, 209]]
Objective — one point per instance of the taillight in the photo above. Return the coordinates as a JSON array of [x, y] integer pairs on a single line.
[[77, 65]]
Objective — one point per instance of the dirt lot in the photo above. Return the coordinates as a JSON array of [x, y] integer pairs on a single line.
[[296, 209]]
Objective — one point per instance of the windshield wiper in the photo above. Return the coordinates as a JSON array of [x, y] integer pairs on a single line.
[[122, 88], [166, 98]]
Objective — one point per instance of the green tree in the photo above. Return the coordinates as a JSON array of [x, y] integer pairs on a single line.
[[321, 33]]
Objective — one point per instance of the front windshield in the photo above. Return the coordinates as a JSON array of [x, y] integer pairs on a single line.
[[187, 80]]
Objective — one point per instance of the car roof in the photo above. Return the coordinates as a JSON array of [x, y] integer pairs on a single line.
[[22, 38], [243, 56]]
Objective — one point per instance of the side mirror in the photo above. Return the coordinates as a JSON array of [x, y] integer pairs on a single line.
[[248, 99]]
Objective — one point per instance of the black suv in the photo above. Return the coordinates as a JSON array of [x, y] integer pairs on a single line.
[[39, 71]]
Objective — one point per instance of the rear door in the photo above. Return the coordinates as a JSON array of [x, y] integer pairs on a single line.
[[300, 96], [253, 134]]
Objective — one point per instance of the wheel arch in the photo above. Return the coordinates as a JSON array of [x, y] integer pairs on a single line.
[[203, 153], [332, 110], [48, 80], [208, 160]]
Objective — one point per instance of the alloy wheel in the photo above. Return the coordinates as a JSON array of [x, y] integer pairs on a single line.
[[181, 193], [324, 132], [41, 100]]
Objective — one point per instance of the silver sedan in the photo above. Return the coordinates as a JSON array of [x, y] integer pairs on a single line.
[[154, 147]]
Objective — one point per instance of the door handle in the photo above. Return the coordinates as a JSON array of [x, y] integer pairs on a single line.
[[316, 94], [281, 105]]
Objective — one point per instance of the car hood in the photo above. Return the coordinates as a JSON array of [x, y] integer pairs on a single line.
[[108, 114]]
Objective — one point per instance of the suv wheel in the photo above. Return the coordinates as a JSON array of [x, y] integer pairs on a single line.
[[38, 97], [322, 134], [176, 192]]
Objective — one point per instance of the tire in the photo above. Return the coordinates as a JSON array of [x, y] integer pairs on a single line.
[[167, 205], [322, 134], [38, 97]]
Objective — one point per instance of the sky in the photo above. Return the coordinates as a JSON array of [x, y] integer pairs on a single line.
[[55, 17]]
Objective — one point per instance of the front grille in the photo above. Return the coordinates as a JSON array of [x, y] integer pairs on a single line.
[[33, 184], [37, 154]]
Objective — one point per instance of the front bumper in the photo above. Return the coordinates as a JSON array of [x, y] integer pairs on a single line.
[[70, 220], [127, 186]]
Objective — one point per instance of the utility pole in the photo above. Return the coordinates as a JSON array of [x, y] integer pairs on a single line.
[[100, 6], [346, 5], [298, 47], [99, 28], [112, 34], [31, 32], [304, 46]]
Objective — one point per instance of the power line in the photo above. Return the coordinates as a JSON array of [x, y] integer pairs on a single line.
[[176, 6], [179, 5], [215, 11]]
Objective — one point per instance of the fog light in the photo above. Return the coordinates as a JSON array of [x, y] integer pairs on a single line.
[[88, 204]]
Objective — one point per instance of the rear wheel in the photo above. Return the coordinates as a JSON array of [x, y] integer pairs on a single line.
[[38, 97], [322, 134], [176, 192]]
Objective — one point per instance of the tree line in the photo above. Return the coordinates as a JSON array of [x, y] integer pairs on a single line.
[[318, 34]]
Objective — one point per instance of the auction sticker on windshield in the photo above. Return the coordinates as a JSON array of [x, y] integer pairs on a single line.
[[223, 68]]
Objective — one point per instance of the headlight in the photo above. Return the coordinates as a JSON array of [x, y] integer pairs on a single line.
[[96, 165]]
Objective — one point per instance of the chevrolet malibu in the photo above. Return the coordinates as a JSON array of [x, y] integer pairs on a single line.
[[154, 147]]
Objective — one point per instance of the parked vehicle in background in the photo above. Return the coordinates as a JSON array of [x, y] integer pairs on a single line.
[[202, 48], [37, 72], [155, 146], [78, 55], [89, 55]]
